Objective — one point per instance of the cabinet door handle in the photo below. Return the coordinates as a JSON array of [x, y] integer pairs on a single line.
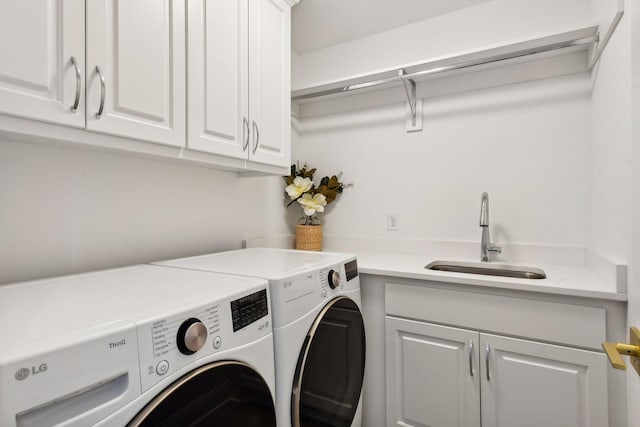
[[245, 133], [102, 92], [471, 357], [487, 350], [256, 136], [76, 102]]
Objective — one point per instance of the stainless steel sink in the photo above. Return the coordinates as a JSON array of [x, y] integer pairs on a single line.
[[488, 269]]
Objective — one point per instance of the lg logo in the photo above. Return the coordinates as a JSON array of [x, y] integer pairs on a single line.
[[23, 373]]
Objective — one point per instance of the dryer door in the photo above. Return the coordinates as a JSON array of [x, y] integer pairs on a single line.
[[219, 394], [330, 369]]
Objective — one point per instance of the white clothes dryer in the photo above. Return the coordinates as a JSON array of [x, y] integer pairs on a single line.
[[137, 346], [318, 330]]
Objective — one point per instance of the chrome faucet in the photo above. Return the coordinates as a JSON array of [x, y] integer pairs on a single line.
[[486, 249]]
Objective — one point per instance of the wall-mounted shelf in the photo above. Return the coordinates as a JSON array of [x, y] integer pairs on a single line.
[[585, 39]]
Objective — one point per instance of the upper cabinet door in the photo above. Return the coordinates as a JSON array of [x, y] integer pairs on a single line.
[[531, 384], [218, 120], [136, 69], [270, 81], [38, 78]]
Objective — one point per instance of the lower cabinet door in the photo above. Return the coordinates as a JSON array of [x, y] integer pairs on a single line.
[[432, 375], [531, 384]]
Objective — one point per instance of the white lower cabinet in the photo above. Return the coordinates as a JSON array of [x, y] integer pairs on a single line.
[[441, 376], [432, 375], [529, 384]]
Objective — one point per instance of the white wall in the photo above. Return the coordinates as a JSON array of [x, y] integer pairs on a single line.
[[482, 26], [65, 211], [633, 15], [527, 145], [611, 148], [613, 166]]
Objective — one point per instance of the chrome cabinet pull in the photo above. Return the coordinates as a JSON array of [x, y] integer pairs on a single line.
[[471, 357], [256, 136], [102, 92], [487, 351], [76, 102], [245, 133]]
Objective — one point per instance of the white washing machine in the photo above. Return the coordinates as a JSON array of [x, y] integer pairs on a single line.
[[138, 346], [317, 325]]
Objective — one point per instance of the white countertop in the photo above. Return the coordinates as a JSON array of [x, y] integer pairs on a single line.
[[561, 279], [571, 271]]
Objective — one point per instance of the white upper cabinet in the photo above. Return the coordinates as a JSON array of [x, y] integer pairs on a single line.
[[136, 69], [119, 67], [239, 79], [38, 78], [218, 74], [270, 81]]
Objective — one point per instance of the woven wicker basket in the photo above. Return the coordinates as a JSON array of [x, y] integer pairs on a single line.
[[309, 237]]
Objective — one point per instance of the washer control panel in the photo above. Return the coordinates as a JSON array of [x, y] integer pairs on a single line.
[[333, 278], [170, 343], [192, 334], [248, 309]]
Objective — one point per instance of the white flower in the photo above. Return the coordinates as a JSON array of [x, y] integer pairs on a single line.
[[314, 204], [299, 186]]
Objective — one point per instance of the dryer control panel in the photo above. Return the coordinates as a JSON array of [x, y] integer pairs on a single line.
[[340, 277], [171, 343], [294, 296]]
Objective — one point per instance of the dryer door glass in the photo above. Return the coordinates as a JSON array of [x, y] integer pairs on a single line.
[[330, 370], [218, 394]]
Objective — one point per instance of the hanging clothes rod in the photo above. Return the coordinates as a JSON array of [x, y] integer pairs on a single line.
[[586, 38]]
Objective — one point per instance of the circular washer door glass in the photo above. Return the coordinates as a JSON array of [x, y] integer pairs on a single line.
[[330, 369], [219, 394]]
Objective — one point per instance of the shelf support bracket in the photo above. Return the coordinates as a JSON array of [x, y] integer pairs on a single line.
[[603, 40], [415, 107], [411, 98]]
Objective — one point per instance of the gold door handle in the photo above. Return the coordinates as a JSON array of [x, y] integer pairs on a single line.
[[614, 351]]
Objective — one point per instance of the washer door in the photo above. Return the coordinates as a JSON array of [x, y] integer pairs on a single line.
[[330, 369], [219, 394]]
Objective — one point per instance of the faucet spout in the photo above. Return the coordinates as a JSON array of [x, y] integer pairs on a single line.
[[486, 248], [484, 210]]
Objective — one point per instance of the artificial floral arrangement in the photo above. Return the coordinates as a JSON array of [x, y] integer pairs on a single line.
[[312, 199]]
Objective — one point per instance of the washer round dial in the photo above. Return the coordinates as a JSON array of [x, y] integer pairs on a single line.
[[192, 335], [334, 279]]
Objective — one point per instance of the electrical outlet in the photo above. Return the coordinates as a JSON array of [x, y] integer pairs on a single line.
[[393, 222]]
